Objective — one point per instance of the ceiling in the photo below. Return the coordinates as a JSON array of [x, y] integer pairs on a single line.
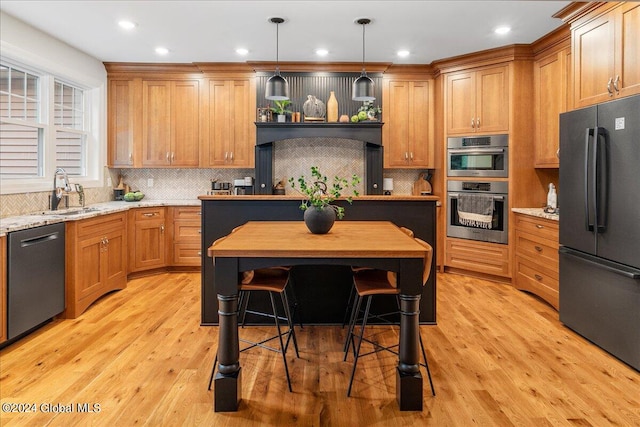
[[211, 31]]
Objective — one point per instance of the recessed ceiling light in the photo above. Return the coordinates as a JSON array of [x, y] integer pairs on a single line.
[[403, 53], [127, 25], [162, 50], [322, 52], [242, 51], [502, 30]]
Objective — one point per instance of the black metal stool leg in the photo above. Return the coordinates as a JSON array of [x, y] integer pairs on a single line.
[[354, 316], [426, 365], [282, 349], [355, 361]]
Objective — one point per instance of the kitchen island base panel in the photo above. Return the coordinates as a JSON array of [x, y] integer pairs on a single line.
[[409, 390], [228, 392]]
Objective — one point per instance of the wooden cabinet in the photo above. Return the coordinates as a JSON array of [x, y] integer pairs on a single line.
[[536, 257], [147, 239], [481, 257], [477, 101], [407, 133], [3, 289], [606, 58], [551, 82], [96, 259], [170, 123], [229, 109], [186, 224], [122, 111]]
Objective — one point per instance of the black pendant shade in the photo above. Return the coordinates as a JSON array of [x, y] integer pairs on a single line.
[[277, 88], [363, 87]]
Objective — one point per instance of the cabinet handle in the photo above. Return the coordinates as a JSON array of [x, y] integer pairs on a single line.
[[478, 122], [149, 214], [538, 248], [226, 156], [558, 152], [199, 231], [473, 123], [538, 226], [162, 228], [609, 87], [200, 213], [173, 157], [615, 83], [231, 156], [538, 277], [199, 253], [406, 155], [130, 158], [106, 241], [411, 155]]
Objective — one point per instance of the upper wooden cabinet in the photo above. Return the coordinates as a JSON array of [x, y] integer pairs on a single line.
[[122, 109], [606, 53], [551, 97], [229, 134], [477, 101], [170, 123], [408, 128]]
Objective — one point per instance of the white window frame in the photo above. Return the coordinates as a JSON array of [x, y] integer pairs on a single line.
[[94, 124]]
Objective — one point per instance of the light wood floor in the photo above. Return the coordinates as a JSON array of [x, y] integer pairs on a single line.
[[498, 357]]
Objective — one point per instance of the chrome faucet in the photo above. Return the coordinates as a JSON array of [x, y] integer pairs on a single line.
[[58, 191]]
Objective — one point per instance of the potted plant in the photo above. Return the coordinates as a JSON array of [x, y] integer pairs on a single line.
[[281, 109], [319, 213], [370, 110]]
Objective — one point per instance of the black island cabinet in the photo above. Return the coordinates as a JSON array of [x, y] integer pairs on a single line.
[[321, 292]]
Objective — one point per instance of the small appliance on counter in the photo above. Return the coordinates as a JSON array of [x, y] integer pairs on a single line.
[[243, 186], [387, 186], [220, 188]]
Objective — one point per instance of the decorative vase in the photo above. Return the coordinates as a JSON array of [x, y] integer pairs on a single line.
[[319, 221], [282, 118], [332, 108]]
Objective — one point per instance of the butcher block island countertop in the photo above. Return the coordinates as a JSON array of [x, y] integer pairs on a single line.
[[400, 197]]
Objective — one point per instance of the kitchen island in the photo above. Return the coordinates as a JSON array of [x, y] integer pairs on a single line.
[[322, 292]]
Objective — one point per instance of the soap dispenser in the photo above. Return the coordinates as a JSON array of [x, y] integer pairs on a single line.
[[552, 199]]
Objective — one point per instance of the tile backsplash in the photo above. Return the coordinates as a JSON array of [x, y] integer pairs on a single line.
[[292, 158]]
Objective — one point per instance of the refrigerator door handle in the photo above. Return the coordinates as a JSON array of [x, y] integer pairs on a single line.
[[587, 210], [629, 272], [600, 169]]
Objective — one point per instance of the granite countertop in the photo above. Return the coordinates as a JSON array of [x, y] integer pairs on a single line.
[[538, 212], [39, 218]]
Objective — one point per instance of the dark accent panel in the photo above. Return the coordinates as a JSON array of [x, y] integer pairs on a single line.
[[273, 131], [321, 291], [373, 168], [320, 85], [264, 169]]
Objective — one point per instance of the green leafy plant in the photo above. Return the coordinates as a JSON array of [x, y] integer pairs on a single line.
[[319, 194], [280, 107], [370, 109]]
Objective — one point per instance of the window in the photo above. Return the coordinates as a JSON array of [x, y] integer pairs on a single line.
[[43, 126]]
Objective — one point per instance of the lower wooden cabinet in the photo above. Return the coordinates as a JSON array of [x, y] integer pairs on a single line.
[[3, 289], [536, 257], [96, 260], [480, 257], [147, 239], [186, 224]]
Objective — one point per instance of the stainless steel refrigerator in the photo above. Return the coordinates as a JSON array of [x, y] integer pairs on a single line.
[[599, 201]]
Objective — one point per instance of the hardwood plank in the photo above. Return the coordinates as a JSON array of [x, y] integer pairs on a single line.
[[498, 356]]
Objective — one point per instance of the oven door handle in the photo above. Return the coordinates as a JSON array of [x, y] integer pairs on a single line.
[[476, 151], [456, 195]]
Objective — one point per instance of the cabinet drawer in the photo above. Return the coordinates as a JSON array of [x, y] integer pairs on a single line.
[[489, 258], [187, 212], [539, 226], [101, 224], [186, 231], [540, 250], [537, 280], [143, 214], [186, 254]]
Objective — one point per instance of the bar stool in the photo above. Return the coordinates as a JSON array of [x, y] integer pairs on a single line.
[[369, 283], [274, 281]]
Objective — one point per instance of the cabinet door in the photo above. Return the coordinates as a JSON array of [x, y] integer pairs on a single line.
[[550, 95], [594, 61], [628, 49], [185, 122], [421, 137], [492, 100], [218, 133], [122, 110], [396, 128], [241, 123], [461, 103], [115, 260], [156, 123], [90, 266], [150, 245]]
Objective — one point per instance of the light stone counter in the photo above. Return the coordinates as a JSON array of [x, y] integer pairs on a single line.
[[40, 218], [538, 212]]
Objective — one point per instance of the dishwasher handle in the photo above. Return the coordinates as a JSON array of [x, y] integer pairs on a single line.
[[38, 239]]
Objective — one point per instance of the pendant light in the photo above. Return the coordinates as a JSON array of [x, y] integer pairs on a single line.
[[363, 87], [277, 86]]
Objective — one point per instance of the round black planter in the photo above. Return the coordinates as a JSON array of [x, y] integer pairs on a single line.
[[319, 221]]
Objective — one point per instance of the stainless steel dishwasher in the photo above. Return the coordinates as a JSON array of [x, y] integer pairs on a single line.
[[35, 277]]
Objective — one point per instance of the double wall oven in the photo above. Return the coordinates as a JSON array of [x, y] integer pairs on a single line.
[[477, 203]]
